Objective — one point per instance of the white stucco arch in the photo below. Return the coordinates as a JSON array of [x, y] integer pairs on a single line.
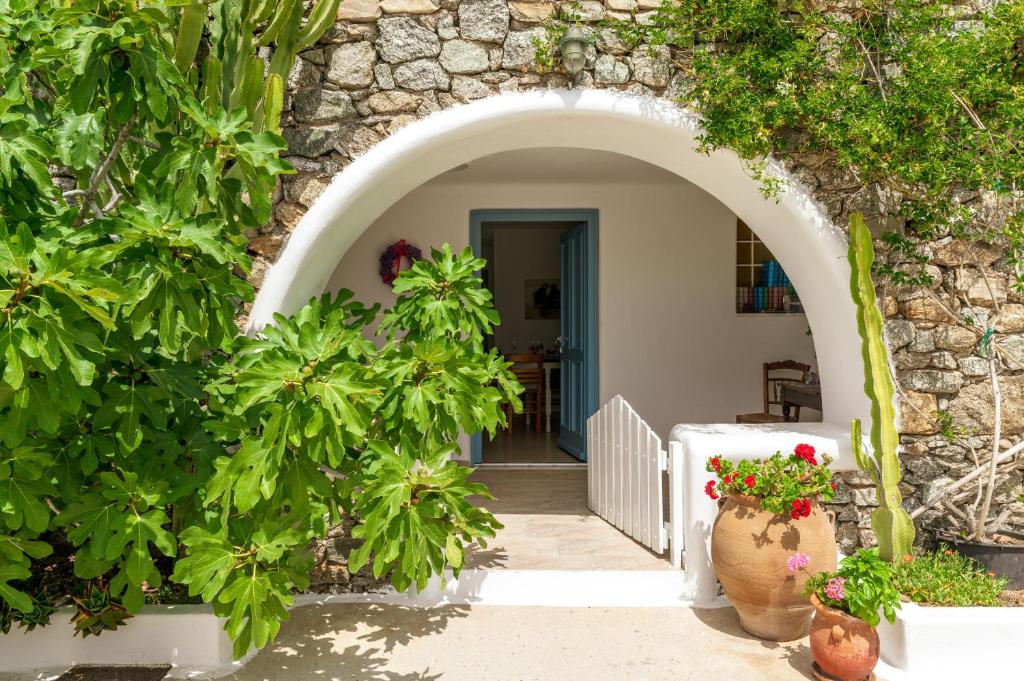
[[811, 249]]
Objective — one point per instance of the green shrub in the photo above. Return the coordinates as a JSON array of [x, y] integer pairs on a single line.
[[945, 577]]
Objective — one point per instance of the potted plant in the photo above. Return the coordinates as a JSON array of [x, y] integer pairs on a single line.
[[847, 603], [771, 508]]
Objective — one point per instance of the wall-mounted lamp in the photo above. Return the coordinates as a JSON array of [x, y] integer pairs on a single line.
[[573, 47]]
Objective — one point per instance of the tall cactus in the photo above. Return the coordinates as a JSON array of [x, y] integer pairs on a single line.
[[891, 523], [234, 75]]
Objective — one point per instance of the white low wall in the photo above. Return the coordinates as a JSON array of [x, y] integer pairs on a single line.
[[188, 637], [735, 442], [930, 644]]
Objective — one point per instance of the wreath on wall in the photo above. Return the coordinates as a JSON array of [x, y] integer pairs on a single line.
[[391, 260]]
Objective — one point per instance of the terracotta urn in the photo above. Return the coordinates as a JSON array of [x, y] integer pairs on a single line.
[[844, 647], [749, 550]]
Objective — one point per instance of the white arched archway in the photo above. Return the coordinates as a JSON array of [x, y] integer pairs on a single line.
[[810, 248]]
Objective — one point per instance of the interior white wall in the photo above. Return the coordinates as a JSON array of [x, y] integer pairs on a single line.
[[521, 253], [670, 341]]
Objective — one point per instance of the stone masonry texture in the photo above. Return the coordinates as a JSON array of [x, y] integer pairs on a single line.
[[387, 64]]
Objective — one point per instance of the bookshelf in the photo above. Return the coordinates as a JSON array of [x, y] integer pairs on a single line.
[[762, 287]]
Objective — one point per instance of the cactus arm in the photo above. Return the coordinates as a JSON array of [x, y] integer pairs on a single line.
[[282, 21], [320, 19], [859, 455], [273, 103], [193, 19], [891, 523]]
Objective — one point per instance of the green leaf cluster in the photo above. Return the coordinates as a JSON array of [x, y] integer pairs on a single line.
[[945, 577], [867, 583], [922, 98], [140, 437]]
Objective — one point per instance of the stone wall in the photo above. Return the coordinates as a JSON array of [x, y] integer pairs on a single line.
[[388, 63]]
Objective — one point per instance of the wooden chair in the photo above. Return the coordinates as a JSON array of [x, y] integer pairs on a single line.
[[791, 372], [529, 371]]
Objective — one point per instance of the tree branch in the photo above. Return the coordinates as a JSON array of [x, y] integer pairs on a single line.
[[101, 171]]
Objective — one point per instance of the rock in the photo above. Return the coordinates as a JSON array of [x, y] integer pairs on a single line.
[[266, 245], [424, 74], [924, 308], [519, 52], [303, 74], [981, 290], [382, 74], [931, 381], [652, 65], [316, 105], [356, 140], [973, 366], [864, 496], [462, 56], [608, 41], [407, 6], [287, 215], [446, 27], [590, 10], [351, 65], [465, 88], [531, 12], [485, 20], [358, 10], [899, 332], [1013, 347], [621, 5], [972, 408], [1011, 320], [943, 359], [393, 102], [917, 413], [955, 338], [924, 341], [309, 141], [404, 39], [304, 188], [910, 360], [608, 69], [952, 252]]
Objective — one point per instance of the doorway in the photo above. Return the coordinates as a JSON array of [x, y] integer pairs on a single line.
[[542, 270]]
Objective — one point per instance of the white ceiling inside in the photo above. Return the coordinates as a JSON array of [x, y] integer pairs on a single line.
[[548, 164]]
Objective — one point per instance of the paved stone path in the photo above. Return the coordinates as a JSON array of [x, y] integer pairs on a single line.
[[389, 643]]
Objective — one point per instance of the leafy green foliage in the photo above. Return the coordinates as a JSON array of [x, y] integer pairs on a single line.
[[786, 484], [862, 586], [901, 92], [945, 577], [139, 435]]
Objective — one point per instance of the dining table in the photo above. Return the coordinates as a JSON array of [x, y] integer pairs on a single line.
[[800, 395]]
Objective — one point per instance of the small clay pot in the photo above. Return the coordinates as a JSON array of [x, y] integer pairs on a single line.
[[749, 550], [844, 647]]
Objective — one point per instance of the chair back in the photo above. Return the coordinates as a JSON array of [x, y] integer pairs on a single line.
[[776, 374], [528, 369]]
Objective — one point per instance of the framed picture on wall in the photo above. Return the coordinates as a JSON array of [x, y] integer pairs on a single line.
[[543, 299]]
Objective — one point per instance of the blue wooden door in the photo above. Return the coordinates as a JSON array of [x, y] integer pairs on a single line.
[[579, 397]]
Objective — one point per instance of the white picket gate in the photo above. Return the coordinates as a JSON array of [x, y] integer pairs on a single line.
[[624, 478]]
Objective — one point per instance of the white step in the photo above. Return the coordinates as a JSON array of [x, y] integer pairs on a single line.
[[552, 588]]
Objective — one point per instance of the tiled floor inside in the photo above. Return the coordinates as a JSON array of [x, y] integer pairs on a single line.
[[525, 445], [549, 527]]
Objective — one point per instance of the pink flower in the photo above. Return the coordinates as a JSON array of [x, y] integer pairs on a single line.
[[836, 588], [797, 561]]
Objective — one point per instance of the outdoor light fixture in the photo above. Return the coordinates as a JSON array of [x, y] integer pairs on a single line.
[[574, 51]]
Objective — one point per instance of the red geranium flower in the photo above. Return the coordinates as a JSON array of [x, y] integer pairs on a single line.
[[749, 481], [833, 486], [805, 452], [806, 507], [709, 489], [795, 515], [716, 464]]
